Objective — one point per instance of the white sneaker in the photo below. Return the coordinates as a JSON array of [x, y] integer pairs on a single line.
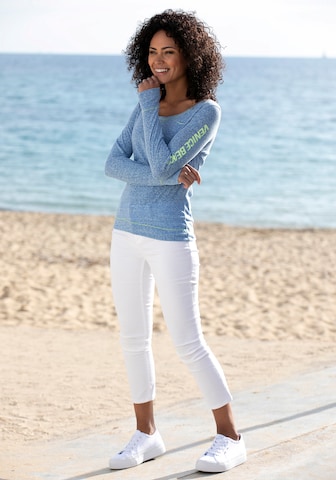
[[223, 455], [140, 448]]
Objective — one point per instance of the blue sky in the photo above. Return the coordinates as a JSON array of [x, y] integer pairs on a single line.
[[290, 28]]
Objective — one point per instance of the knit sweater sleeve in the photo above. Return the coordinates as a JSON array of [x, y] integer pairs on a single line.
[[119, 163], [191, 144], [121, 166]]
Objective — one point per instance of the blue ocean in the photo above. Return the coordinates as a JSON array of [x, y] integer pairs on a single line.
[[273, 163]]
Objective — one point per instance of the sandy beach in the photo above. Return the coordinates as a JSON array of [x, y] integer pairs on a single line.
[[267, 297]]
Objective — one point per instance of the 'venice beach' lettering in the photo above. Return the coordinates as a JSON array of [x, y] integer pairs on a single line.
[[188, 144]]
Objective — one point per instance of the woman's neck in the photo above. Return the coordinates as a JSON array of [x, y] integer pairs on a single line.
[[175, 101]]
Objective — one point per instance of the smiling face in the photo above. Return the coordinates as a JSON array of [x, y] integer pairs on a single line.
[[166, 60]]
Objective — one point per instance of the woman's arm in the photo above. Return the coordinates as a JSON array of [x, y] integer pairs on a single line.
[[121, 166]]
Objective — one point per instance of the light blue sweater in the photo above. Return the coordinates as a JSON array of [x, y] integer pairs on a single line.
[[149, 155]]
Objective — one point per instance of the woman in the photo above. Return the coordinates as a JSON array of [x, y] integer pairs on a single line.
[[177, 66]]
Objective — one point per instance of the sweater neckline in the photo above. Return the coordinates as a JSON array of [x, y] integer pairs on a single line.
[[185, 111]]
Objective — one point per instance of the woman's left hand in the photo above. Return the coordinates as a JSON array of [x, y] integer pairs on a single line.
[[189, 175], [147, 83]]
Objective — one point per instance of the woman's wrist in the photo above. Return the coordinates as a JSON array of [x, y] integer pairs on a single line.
[[149, 99]]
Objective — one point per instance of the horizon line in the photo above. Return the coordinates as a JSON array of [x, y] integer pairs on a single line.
[[96, 54]]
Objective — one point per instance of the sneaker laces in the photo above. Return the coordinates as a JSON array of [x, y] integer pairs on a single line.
[[219, 445], [131, 446]]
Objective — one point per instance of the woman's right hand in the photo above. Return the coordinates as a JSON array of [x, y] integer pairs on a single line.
[[147, 83], [189, 175]]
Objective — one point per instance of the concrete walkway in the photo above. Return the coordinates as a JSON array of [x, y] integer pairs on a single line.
[[289, 429]]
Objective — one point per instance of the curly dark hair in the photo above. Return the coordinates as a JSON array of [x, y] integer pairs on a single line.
[[197, 43]]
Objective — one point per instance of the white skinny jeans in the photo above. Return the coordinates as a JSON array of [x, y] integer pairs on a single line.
[[135, 262]]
